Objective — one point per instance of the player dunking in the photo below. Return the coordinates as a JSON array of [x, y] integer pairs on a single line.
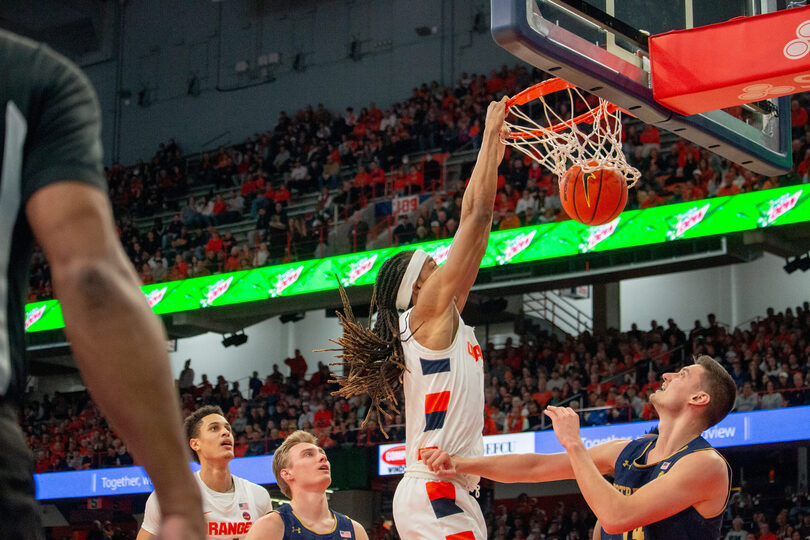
[[303, 473], [669, 486], [436, 355], [230, 504]]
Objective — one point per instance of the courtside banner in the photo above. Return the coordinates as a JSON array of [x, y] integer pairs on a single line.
[[392, 456], [132, 480], [738, 429], [633, 228]]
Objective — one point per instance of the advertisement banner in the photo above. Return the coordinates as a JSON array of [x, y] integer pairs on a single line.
[[737, 429], [129, 480], [391, 457], [633, 228]]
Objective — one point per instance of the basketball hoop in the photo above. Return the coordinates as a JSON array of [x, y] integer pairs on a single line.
[[591, 140]]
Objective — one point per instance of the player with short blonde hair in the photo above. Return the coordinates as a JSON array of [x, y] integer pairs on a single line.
[[671, 485], [303, 473]]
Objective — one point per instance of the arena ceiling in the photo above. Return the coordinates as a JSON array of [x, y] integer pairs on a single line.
[[76, 28]]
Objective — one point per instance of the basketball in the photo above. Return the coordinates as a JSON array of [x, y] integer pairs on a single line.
[[593, 198]]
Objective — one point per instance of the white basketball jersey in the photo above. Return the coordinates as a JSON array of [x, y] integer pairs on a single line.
[[444, 398], [227, 515]]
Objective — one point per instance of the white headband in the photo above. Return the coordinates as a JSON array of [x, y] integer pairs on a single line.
[[411, 275]]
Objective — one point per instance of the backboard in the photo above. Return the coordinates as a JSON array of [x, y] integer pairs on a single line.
[[601, 47]]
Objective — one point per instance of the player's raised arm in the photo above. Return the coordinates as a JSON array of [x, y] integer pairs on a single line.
[[521, 467], [470, 242], [699, 480]]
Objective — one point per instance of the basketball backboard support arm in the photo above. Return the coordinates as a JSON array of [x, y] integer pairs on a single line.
[[623, 78], [601, 19]]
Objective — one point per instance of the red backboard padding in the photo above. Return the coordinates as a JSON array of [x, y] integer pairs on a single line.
[[738, 61]]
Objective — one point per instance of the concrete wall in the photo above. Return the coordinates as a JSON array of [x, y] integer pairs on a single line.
[[165, 43], [269, 342], [734, 293]]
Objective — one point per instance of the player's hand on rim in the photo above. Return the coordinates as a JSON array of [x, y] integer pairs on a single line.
[[566, 425], [496, 113], [439, 462]]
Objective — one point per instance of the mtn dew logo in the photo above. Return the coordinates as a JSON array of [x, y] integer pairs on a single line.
[[216, 290], [779, 207], [285, 280], [687, 220], [154, 297], [33, 316], [359, 269], [515, 246], [440, 254], [598, 234]]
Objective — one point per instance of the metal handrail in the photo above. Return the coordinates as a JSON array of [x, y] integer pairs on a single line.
[[206, 143], [560, 311]]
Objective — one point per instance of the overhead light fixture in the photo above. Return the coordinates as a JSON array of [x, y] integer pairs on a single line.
[[298, 63], [494, 305], [235, 339], [802, 262], [480, 23], [354, 51], [145, 97], [292, 317], [193, 86]]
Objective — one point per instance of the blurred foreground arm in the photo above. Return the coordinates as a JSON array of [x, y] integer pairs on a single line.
[[118, 343]]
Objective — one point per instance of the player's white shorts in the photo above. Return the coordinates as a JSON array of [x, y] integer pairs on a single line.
[[427, 509]]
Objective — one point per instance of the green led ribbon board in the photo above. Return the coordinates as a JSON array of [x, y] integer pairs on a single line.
[[708, 217]]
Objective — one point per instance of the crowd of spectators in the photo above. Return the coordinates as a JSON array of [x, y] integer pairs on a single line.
[[608, 377], [344, 161]]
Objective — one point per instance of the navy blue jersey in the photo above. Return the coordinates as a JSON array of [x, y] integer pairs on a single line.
[[294, 530], [632, 471]]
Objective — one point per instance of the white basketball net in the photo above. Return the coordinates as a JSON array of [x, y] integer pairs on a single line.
[[591, 140]]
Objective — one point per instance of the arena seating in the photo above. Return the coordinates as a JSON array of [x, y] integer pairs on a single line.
[[304, 189], [607, 378]]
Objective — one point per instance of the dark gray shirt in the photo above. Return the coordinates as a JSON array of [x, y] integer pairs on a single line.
[[50, 132]]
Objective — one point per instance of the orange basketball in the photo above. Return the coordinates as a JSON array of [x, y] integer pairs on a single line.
[[593, 198]]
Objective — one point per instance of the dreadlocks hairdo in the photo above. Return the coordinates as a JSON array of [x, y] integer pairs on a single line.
[[372, 358]]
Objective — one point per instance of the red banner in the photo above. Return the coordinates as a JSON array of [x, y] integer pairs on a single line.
[[739, 61], [404, 205]]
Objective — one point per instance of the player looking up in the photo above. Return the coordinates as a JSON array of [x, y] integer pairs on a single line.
[[230, 504], [667, 486], [303, 473]]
